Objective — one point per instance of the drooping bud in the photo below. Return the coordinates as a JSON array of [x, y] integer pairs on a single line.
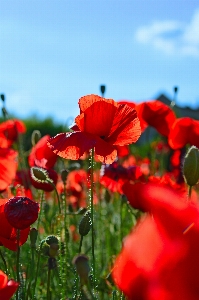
[[36, 135], [85, 224], [191, 166], [53, 251], [81, 263], [52, 239], [43, 179]]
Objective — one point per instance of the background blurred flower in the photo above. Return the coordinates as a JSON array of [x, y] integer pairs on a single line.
[[8, 234], [7, 287]]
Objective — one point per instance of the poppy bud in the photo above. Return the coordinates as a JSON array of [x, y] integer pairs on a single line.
[[43, 179], [53, 251], [102, 89], [21, 212], [64, 174], [191, 166], [85, 224], [2, 97], [36, 135], [52, 239], [33, 237], [81, 263], [44, 248]]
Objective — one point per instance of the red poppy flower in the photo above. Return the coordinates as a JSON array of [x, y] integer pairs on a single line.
[[156, 114], [184, 131], [8, 234], [7, 287], [159, 259], [103, 124], [10, 130], [21, 212], [8, 167], [41, 155]]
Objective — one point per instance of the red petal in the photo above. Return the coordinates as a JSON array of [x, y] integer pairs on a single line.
[[125, 128], [71, 145], [105, 152], [158, 115], [97, 118], [41, 155], [87, 101], [184, 131], [8, 166]]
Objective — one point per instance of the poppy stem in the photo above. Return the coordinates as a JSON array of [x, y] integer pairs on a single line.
[[4, 261], [92, 213], [80, 245], [189, 191], [17, 262], [58, 199], [48, 283]]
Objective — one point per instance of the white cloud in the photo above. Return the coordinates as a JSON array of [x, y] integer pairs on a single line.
[[172, 37]]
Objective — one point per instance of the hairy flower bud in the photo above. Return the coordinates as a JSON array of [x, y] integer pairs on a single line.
[[85, 224], [43, 179], [191, 166]]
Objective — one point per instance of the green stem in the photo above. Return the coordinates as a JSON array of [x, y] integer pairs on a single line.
[[80, 245], [189, 191], [17, 262], [58, 199], [48, 284], [92, 213], [4, 261], [41, 207], [37, 269]]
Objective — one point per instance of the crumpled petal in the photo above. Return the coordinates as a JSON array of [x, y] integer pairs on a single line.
[[71, 145], [125, 128], [97, 118]]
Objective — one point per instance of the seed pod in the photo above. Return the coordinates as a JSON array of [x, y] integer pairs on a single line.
[[191, 166]]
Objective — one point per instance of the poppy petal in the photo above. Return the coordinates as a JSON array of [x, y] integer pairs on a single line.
[[106, 153], [158, 115], [97, 118], [87, 101], [71, 145], [125, 128], [184, 131]]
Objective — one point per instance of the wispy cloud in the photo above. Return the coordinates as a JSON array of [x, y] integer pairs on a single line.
[[172, 37]]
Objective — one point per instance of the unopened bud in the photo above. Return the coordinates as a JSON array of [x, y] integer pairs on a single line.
[[33, 237], [40, 175], [64, 175], [36, 135], [52, 239], [81, 263], [53, 251], [191, 166], [85, 224]]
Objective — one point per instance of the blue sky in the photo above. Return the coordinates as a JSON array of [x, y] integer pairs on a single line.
[[53, 52]]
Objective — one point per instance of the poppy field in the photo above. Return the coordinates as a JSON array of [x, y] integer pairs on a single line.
[[101, 211]]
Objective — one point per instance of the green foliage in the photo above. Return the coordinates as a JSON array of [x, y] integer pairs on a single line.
[[46, 126]]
